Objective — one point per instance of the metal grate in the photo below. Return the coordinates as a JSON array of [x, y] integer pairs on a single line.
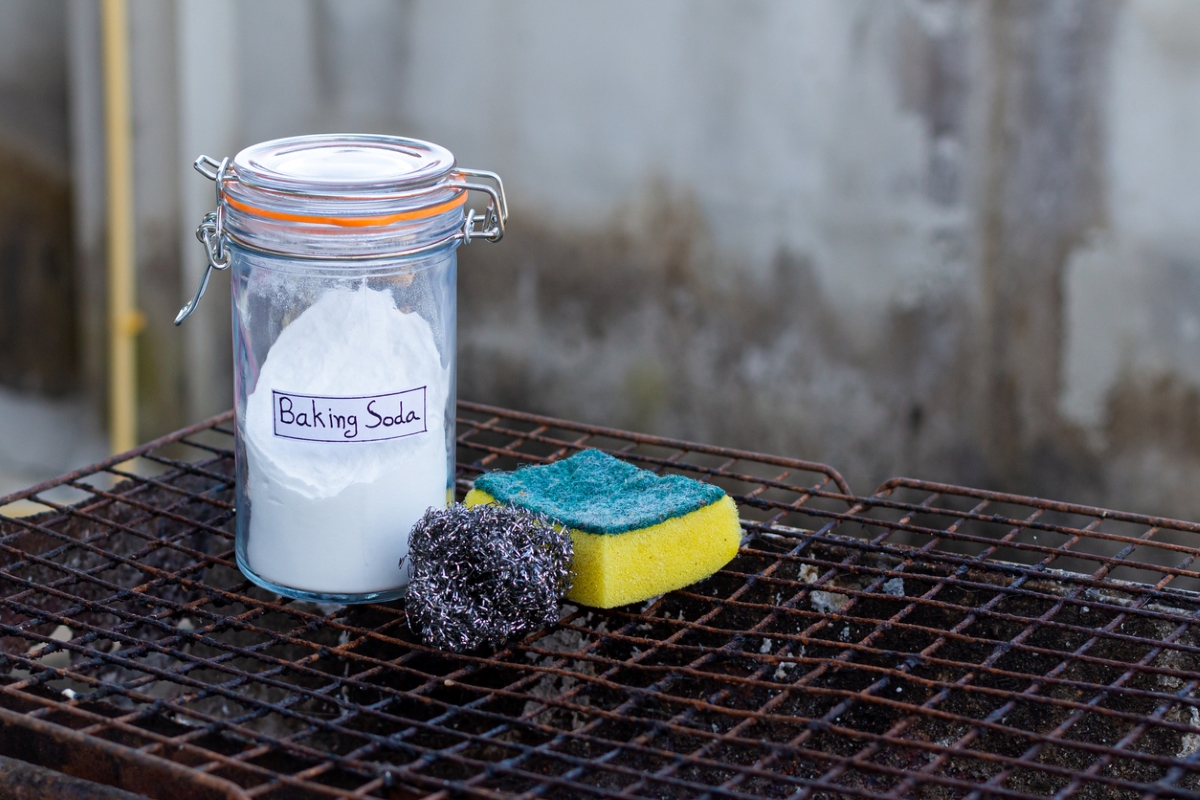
[[929, 641]]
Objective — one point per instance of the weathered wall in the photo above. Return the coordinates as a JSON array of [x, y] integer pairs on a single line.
[[46, 426], [38, 344], [852, 246], [1131, 348], [951, 238], [772, 243]]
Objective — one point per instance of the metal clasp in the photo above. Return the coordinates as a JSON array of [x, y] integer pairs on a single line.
[[210, 231], [490, 224]]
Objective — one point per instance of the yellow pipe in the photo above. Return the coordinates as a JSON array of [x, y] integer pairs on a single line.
[[124, 321]]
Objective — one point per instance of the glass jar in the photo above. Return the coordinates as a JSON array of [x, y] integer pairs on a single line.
[[342, 251]]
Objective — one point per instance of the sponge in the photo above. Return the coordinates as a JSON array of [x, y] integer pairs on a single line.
[[636, 535]]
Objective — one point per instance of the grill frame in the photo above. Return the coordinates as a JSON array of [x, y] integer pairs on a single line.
[[218, 689]]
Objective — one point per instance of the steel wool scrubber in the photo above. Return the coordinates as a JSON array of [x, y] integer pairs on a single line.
[[483, 575]]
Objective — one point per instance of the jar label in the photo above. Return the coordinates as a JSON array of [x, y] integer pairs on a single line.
[[373, 418]]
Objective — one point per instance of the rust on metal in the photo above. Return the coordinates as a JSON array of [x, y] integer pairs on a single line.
[[925, 641], [63, 750], [22, 781]]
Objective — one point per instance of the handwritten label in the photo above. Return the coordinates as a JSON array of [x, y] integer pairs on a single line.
[[375, 418]]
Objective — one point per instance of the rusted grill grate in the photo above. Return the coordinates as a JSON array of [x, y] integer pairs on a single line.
[[926, 642]]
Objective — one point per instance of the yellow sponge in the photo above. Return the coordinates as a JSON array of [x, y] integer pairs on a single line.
[[617, 563]]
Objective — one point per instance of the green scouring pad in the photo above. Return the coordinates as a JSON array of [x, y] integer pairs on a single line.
[[636, 534]]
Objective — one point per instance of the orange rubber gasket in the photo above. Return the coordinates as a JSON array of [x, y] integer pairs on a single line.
[[351, 222]]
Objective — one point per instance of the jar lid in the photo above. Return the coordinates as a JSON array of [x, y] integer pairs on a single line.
[[343, 164], [344, 196], [345, 181], [351, 196]]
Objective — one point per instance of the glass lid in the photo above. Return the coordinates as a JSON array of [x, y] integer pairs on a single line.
[[354, 164]]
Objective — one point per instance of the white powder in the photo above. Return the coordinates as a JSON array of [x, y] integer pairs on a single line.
[[334, 516]]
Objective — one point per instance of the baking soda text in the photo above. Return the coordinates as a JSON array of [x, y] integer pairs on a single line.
[[375, 418]]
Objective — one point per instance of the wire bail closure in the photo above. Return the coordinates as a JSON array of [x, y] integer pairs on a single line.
[[488, 225], [491, 222], [210, 231]]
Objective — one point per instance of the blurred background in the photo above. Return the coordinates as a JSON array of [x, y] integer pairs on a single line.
[[954, 239]]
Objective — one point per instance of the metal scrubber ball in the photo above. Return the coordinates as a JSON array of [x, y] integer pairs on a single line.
[[482, 575]]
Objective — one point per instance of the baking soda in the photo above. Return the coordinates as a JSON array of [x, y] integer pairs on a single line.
[[332, 497]]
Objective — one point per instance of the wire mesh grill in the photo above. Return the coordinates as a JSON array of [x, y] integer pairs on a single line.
[[927, 641]]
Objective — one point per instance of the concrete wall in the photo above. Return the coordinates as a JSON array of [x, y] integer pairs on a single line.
[[38, 336], [948, 238], [838, 229], [46, 424]]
